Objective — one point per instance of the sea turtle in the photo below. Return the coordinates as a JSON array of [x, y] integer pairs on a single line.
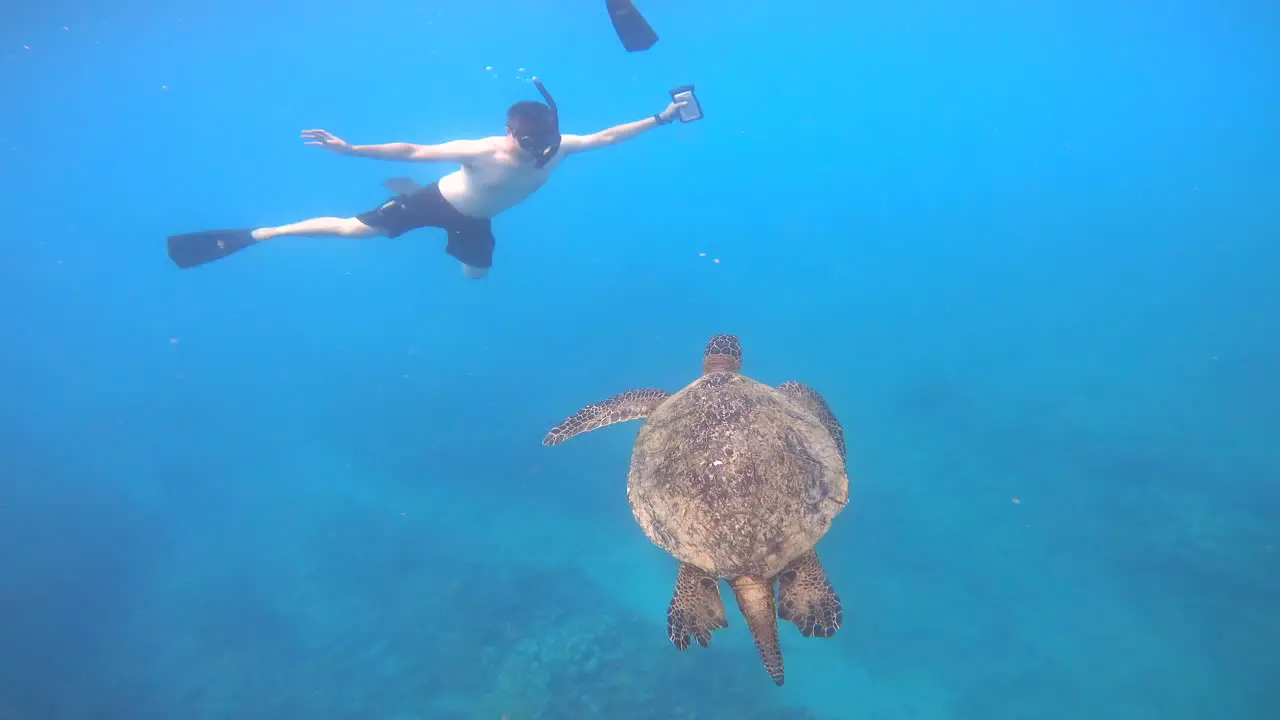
[[737, 480]]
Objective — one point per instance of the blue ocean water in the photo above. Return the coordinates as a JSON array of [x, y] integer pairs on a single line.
[[1027, 251]]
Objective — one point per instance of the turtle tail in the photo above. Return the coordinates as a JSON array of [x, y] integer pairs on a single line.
[[756, 601]]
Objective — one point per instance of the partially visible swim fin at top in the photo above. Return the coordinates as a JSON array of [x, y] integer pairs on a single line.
[[633, 31], [191, 249]]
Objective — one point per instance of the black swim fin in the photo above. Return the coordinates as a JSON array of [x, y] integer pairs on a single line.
[[192, 249], [633, 31]]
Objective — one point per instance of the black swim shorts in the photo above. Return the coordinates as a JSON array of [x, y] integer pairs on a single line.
[[470, 239]]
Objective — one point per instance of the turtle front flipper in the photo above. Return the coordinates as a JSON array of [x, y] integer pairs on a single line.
[[805, 597], [755, 600], [696, 609], [809, 398], [630, 405]]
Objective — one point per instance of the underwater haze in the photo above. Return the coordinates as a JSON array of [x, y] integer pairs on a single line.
[[1026, 250]]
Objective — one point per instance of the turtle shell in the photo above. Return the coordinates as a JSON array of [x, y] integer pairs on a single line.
[[731, 476]]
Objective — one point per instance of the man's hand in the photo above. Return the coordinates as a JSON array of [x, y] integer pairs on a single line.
[[672, 110], [326, 140]]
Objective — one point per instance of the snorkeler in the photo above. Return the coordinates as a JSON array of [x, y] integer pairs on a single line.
[[497, 173]]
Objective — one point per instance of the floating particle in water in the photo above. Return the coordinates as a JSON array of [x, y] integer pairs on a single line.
[[173, 341], [1017, 501], [488, 68], [702, 254], [715, 260]]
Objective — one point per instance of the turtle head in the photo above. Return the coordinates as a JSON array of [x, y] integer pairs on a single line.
[[723, 354]]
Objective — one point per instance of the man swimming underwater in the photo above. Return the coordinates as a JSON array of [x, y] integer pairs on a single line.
[[497, 173]]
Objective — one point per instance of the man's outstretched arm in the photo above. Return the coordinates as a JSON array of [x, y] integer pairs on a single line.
[[618, 133], [454, 151]]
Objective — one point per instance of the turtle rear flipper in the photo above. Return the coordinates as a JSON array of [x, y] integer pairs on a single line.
[[630, 405], [805, 597], [755, 600], [696, 609], [809, 398]]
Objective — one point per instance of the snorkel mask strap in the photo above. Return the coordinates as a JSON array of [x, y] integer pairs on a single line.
[[554, 148]]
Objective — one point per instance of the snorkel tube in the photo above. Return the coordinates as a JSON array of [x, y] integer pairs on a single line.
[[550, 145]]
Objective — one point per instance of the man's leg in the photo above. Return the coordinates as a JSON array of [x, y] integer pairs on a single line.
[[318, 227], [474, 273]]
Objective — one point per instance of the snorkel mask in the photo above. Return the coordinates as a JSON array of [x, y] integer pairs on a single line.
[[543, 145]]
